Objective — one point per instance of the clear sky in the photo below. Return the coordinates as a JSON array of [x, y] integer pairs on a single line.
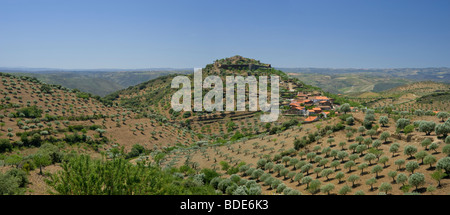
[[129, 34]]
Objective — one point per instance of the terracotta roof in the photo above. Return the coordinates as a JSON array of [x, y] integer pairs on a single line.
[[326, 113], [317, 108], [299, 108], [322, 97], [310, 118]]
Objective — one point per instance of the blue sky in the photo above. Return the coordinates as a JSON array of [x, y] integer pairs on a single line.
[[129, 34]]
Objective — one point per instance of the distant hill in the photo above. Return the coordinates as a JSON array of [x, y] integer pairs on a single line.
[[97, 82], [426, 95], [105, 81], [346, 81]]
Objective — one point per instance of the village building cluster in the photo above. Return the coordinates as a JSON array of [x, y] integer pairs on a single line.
[[311, 105]]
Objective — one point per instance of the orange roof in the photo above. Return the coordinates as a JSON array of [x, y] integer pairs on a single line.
[[322, 97], [326, 113], [307, 100], [435, 111], [299, 108], [294, 104], [322, 101], [310, 118], [317, 108]]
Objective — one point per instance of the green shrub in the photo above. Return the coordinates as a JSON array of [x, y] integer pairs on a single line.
[[29, 112], [85, 176]]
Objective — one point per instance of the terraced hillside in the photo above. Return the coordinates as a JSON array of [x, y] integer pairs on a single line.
[[420, 95], [329, 157], [37, 118]]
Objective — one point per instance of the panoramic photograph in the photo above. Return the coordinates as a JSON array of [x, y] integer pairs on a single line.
[[225, 98]]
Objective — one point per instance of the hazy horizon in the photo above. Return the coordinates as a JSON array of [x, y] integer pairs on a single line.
[[187, 68]]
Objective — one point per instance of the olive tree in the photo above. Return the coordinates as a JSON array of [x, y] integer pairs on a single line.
[[444, 164], [362, 166], [376, 144], [399, 163], [442, 129], [416, 180], [348, 165], [394, 148], [384, 136], [427, 127], [429, 160], [284, 172], [385, 187], [339, 176], [384, 120], [285, 160], [371, 132], [438, 175], [41, 160], [442, 115], [401, 178], [446, 149], [261, 163], [281, 187], [353, 179], [291, 175], [327, 188], [327, 172], [425, 143], [420, 156], [277, 168], [298, 177], [434, 146], [344, 190], [376, 169], [370, 157], [335, 164], [342, 155], [402, 123], [314, 186], [411, 166], [345, 108], [384, 160], [306, 168], [306, 180], [269, 166], [392, 174], [256, 174], [371, 182], [410, 150]]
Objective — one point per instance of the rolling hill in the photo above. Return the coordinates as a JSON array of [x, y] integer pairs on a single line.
[[347, 81], [425, 95], [97, 82]]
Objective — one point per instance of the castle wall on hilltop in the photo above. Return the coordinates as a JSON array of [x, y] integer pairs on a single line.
[[243, 66]]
